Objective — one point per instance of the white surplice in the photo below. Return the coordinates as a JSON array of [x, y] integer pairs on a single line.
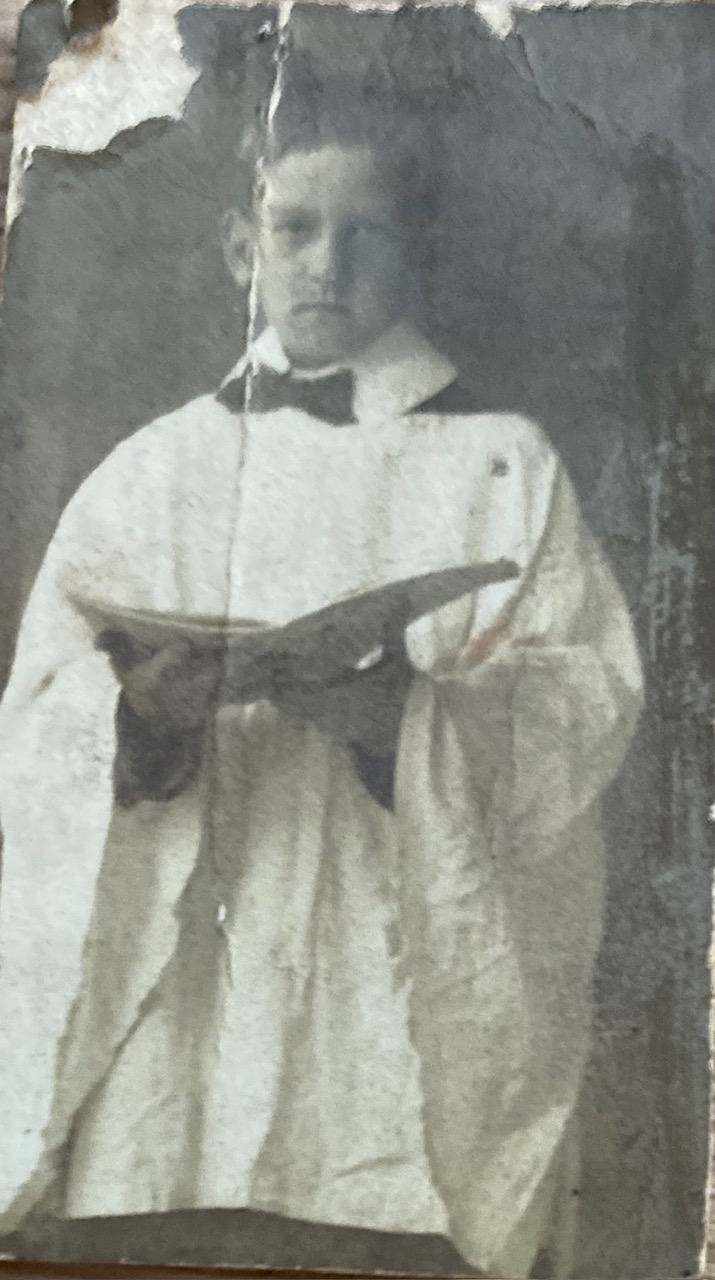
[[270, 992]]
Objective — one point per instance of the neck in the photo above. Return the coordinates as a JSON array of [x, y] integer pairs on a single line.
[[399, 370], [310, 367], [347, 360]]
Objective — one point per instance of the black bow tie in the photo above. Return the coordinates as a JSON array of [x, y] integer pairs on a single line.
[[329, 398]]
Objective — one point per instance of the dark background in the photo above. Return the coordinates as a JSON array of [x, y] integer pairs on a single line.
[[574, 282]]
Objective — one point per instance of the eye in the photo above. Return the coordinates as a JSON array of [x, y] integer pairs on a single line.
[[369, 230], [294, 226]]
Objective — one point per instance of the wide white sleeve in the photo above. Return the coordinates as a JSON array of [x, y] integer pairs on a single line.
[[56, 760], [502, 762]]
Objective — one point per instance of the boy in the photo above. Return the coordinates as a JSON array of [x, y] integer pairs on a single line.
[[323, 954]]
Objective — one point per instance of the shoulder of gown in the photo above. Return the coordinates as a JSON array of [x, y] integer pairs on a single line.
[[199, 437], [501, 437]]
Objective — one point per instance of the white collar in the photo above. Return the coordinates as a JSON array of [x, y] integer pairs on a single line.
[[397, 373]]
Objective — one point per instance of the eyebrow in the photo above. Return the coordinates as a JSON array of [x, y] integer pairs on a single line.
[[281, 208], [379, 215]]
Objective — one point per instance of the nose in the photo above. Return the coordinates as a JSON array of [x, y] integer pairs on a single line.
[[327, 261]]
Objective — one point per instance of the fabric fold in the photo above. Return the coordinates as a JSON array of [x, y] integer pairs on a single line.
[[500, 770]]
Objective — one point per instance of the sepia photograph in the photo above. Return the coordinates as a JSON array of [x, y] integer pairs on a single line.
[[357, 376]]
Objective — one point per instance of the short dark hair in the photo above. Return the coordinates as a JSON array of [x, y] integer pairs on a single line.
[[238, 54], [313, 112]]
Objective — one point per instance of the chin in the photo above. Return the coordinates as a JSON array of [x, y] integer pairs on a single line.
[[319, 344], [316, 355]]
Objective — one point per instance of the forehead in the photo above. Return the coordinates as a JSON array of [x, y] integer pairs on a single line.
[[336, 178]]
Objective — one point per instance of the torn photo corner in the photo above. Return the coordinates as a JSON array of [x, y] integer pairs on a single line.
[[316, 324]]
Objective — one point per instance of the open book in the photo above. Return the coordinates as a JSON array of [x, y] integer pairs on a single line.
[[315, 646]]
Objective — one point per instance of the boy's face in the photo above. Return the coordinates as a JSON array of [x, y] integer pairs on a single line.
[[331, 266]]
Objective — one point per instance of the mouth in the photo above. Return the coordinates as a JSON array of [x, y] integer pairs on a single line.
[[321, 308]]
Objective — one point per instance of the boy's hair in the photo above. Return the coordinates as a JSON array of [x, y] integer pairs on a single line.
[[313, 112]]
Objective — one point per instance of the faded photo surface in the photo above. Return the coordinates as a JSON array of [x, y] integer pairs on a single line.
[[354, 754]]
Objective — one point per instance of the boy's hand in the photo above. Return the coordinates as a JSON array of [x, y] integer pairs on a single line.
[[165, 702], [362, 709], [173, 689]]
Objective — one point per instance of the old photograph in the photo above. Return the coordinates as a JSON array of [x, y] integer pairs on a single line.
[[355, 748]]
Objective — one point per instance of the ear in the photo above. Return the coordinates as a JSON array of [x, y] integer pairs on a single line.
[[237, 241]]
